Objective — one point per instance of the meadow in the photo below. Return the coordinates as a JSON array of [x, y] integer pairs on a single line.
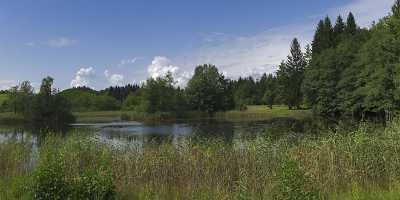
[[360, 163], [252, 113]]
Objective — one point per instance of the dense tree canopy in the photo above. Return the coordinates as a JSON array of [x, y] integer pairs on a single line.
[[207, 90]]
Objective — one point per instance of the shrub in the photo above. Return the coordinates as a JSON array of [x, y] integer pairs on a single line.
[[295, 184], [93, 185], [49, 181]]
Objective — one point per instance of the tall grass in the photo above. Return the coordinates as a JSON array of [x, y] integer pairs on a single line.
[[359, 164]]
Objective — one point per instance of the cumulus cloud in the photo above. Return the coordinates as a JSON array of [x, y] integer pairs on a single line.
[[161, 65], [83, 77], [114, 79], [7, 84]]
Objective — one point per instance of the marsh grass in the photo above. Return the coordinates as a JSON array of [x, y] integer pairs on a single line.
[[359, 164]]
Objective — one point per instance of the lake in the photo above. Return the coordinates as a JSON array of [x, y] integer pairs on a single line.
[[137, 133]]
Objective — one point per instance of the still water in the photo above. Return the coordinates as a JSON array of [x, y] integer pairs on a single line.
[[137, 133]]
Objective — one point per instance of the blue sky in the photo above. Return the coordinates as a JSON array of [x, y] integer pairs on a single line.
[[99, 43]]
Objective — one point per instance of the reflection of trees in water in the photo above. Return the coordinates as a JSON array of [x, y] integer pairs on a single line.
[[211, 129]]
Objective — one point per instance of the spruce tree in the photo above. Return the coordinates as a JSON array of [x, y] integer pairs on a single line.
[[291, 75], [328, 33], [338, 29], [351, 26], [318, 39]]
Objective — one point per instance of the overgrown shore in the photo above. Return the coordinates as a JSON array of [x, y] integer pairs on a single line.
[[363, 163]]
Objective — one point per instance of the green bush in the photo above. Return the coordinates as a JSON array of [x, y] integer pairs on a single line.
[[49, 181], [52, 182], [96, 186], [295, 184]]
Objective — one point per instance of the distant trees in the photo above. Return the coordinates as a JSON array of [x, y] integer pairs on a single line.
[[271, 91], [46, 110], [87, 99]]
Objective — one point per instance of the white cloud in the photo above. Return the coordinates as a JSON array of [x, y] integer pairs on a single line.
[[114, 79], [130, 61], [262, 52], [365, 11], [7, 84], [160, 66], [83, 77], [61, 42]]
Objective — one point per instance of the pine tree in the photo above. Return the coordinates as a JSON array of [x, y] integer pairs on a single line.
[[351, 27]]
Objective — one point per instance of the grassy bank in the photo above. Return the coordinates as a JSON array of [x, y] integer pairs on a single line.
[[362, 164], [259, 113], [253, 113]]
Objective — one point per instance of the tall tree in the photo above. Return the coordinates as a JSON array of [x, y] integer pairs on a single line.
[[338, 30], [207, 89], [351, 26], [291, 74]]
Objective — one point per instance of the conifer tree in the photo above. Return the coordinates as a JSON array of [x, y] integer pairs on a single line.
[[318, 39], [338, 29], [351, 26], [291, 75]]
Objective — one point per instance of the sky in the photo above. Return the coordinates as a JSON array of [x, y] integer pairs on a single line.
[[101, 43]]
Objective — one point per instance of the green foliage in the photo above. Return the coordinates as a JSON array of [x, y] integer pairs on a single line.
[[207, 90], [50, 111], [92, 185], [86, 99], [49, 181], [358, 76], [295, 184], [53, 180]]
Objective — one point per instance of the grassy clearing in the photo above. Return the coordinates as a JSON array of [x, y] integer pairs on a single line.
[[362, 164], [253, 113], [260, 112], [100, 116]]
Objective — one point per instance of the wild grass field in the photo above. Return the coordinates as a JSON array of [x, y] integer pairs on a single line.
[[359, 164]]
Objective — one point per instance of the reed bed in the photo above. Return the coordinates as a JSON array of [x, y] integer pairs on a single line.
[[341, 164]]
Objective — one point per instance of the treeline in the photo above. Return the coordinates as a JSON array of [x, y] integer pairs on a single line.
[[353, 71], [346, 71], [45, 110]]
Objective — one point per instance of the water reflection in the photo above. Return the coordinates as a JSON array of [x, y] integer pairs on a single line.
[[139, 134]]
